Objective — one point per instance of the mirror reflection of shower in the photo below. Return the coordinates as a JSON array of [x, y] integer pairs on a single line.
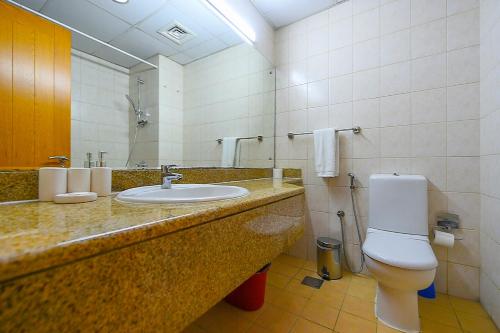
[[140, 116]]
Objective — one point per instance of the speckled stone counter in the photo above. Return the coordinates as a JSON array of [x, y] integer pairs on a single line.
[[23, 184], [110, 266], [124, 179], [18, 185]]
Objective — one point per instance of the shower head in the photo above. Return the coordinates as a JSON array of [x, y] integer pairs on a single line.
[[132, 103]]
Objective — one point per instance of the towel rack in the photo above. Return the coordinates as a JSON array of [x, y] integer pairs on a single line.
[[355, 130], [258, 137]]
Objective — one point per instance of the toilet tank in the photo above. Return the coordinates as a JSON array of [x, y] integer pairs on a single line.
[[398, 203]]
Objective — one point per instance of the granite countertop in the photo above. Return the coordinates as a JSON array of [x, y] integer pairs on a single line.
[[39, 235]]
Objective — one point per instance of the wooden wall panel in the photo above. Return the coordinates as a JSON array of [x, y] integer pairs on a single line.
[[5, 89], [23, 91], [35, 89], [44, 94], [62, 91]]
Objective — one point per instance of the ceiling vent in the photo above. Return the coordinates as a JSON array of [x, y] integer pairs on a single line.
[[177, 33]]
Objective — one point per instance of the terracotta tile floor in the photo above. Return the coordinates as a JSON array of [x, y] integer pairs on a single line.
[[341, 306]]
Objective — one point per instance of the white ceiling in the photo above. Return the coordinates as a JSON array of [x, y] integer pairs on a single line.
[[283, 12], [133, 27]]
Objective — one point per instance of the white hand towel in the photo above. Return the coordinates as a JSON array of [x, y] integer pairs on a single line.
[[229, 145], [326, 152]]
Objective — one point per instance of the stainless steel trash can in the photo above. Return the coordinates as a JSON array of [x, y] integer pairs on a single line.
[[329, 258]]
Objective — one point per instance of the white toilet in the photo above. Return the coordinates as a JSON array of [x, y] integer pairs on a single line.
[[397, 250]]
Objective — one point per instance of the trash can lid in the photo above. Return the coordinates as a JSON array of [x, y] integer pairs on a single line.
[[329, 242]]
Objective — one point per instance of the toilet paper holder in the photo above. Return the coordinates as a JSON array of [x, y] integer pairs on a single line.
[[448, 226]]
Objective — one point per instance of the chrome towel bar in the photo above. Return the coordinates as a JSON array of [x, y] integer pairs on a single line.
[[259, 137], [355, 130]]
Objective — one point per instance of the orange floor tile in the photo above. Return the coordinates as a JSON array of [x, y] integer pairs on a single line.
[[339, 306]]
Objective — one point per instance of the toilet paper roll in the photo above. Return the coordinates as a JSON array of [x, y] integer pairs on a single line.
[[445, 239], [100, 181], [51, 181], [78, 180]]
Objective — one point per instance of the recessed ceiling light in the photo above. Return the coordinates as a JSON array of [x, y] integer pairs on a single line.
[[121, 1]]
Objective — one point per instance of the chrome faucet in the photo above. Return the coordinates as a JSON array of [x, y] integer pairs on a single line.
[[169, 176]]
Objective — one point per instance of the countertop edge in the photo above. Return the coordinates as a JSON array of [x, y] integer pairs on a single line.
[[80, 249]]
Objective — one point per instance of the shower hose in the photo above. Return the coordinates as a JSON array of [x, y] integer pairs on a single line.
[[341, 216]]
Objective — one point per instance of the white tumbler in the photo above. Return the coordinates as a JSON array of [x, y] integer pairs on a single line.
[[78, 180], [51, 181], [100, 182]]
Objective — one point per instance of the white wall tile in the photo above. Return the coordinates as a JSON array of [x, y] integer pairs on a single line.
[[462, 174], [317, 41], [341, 115], [359, 6], [428, 72], [341, 62], [340, 11], [394, 16], [395, 47], [395, 141], [457, 6], [428, 106], [341, 89], [317, 118], [463, 102], [366, 55], [463, 138], [463, 281], [428, 139], [463, 66], [395, 79], [366, 84], [318, 93], [395, 110], [367, 113], [428, 39], [298, 97], [423, 11], [318, 67], [366, 144], [467, 206], [341, 33], [366, 25], [463, 30], [297, 72]]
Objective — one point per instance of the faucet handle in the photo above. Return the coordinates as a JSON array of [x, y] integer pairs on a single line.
[[166, 168], [60, 158]]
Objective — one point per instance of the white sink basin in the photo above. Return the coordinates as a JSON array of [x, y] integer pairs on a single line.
[[181, 193]]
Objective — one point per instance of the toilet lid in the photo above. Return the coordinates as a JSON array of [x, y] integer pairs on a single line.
[[399, 250]]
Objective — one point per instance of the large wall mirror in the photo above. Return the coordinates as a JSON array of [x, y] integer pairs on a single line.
[[206, 98]]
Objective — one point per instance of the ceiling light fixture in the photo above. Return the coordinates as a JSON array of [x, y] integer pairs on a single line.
[[122, 2], [231, 18]]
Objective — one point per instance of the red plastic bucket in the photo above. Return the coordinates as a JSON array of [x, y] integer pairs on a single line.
[[250, 294]]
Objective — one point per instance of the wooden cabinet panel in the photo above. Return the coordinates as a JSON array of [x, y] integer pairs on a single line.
[[35, 89], [62, 91], [23, 95], [5, 90], [44, 94]]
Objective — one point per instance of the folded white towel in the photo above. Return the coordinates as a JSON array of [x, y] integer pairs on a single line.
[[326, 152], [229, 155]]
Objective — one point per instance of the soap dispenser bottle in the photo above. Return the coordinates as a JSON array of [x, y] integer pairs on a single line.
[[88, 163], [101, 177]]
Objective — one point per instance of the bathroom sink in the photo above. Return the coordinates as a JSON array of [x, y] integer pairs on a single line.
[[182, 193]]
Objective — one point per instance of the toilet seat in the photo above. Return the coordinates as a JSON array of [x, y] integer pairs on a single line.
[[400, 250]]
